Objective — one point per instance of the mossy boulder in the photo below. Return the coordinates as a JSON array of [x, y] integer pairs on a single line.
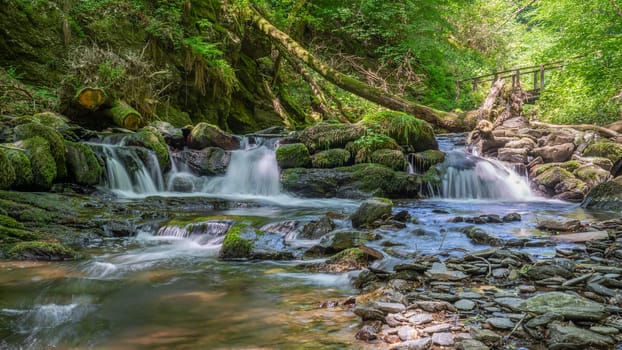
[[390, 158], [363, 147], [245, 242], [52, 120], [173, 136], [403, 128], [570, 166], [561, 184], [350, 259], [331, 158], [208, 135], [338, 241], [177, 118], [422, 161], [41, 160], [38, 250], [293, 155], [235, 246], [607, 196], [54, 139], [82, 163], [7, 173], [592, 174], [325, 135], [21, 165], [149, 138], [370, 211], [16, 234], [606, 149]]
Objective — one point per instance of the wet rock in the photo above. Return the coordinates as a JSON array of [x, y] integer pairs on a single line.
[[592, 174], [543, 320], [500, 323], [421, 318], [435, 306], [472, 344], [326, 135], [510, 302], [370, 211], [469, 295], [581, 237], [607, 196], [479, 236], [485, 335], [183, 184], [464, 305], [318, 228], [605, 149], [540, 272], [554, 154], [82, 164], [210, 161], [570, 337], [443, 339], [556, 180], [369, 313], [389, 307], [440, 272], [512, 217], [366, 333], [512, 155], [601, 290], [206, 135], [605, 330], [419, 344], [571, 307], [558, 225], [284, 228], [350, 259], [173, 136]]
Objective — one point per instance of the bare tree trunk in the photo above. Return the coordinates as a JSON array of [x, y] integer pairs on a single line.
[[445, 120], [483, 113]]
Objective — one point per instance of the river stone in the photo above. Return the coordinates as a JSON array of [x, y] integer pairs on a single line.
[[421, 318], [392, 308], [419, 344], [607, 196], [512, 155], [605, 330], [558, 225], [370, 211], [554, 154], [440, 272], [510, 302], [479, 236], [472, 344], [406, 333], [572, 307], [543, 320], [570, 337], [173, 136], [443, 339], [485, 335], [443, 327], [366, 333], [206, 135], [369, 313], [210, 161], [317, 228], [465, 305], [500, 323], [581, 237], [469, 295], [540, 272], [512, 217]]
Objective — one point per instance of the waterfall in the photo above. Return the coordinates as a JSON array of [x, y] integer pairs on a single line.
[[253, 170], [468, 176], [204, 233]]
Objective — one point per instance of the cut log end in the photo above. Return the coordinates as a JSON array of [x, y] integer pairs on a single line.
[[125, 116], [90, 98]]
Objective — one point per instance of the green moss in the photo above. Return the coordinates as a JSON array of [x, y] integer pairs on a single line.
[[8, 221], [330, 158], [393, 159], [295, 155], [325, 135], [38, 250], [41, 160], [353, 257], [54, 139], [149, 137], [382, 181], [82, 163], [384, 200], [365, 146], [51, 119], [7, 173], [13, 234], [21, 164], [605, 149], [403, 128], [170, 114], [246, 220], [422, 161], [234, 246], [570, 166]]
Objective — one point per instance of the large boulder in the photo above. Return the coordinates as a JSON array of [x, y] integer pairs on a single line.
[[390, 158], [330, 158], [562, 337], [210, 161], [54, 140], [403, 128], [607, 196], [173, 136], [293, 155], [592, 174], [149, 138], [606, 149], [21, 164], [570, 306], [555, 153], [557, 181], [7, 173], [82, 163], [208, 135], [371, 210], [326, 135], [41, 160], [512, 155], [422, 161], [558, 137]]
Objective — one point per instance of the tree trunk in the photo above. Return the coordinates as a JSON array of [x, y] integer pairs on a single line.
[[483, 113], [124, 116], [90, 98], [447, 121]]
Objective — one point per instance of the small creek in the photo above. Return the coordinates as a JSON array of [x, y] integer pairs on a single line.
[[151, 292]]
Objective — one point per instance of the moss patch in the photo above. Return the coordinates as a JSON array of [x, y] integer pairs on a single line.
[[330, 158], [295, 155], [41, 160], [149, 137], [21, 164], [393, 159], [82, 164], [325, 135], [7, 173], [38, 250], [234, 246], [605, 149], [570, 166], [365, 146], [54, 139], [403, 128]]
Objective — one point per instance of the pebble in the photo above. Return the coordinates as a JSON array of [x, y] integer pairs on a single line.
[[465, 305], [443, 339], [500, 323]]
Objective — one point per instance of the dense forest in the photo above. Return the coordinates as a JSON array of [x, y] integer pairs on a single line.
[[311, 174]]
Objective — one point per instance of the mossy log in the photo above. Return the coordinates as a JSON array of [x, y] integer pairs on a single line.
[[90, 98], [124, 115], [445, 120]]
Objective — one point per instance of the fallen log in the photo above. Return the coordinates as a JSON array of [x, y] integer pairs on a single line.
[[124, 115], [90, 98]]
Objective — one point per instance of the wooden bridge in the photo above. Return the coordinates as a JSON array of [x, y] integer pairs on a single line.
[[529, 76]]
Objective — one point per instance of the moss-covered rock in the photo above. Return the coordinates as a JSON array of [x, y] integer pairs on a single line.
[[7, 173], [173, 136], [561, 184], [294, 155], [350, 259], [82, 163], [325, 135], [208, 135], [38, 250], [570, 166], [52, 120], [370, 211], [592, 174], [403, 128], [607, 196], [54, 139], [42, 162], [606, 149], [234, 246], [21, 164], [393, 159], [422, 161], [149, 137], [363, 147], [331, 158], [170, 114]]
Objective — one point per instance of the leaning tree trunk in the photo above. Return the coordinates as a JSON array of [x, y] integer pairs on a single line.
[[124, 115], [448, 121]]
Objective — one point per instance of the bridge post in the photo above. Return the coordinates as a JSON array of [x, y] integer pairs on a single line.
[[518, 77], [474, 84], [541, 77]]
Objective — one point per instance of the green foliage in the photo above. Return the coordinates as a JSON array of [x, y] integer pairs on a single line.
[[331, 158], [365, 146], [208, 64]]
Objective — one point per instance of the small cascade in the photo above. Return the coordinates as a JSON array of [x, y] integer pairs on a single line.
[[468, 176], [207, 232], [253, 170]]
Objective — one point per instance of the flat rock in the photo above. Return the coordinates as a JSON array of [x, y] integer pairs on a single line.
[[421, 318], [443, 339], [543, 320], [570, 337], [464, 305], [605, 330], [389, 308], [368, 313], [440, 272], [510, 302], [485, 335], [572, 307], [472, 344], [581, 237], [419, 344], [559, 226], [469, 295], [443, 327], [406, 333], [500, 323]]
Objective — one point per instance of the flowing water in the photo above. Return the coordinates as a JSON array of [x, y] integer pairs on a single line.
[[165, 288]]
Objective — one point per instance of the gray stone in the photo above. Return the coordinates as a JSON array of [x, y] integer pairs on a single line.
[[317, 228], [370, 211], [464, 305], [366, 333], [572, 307], [469, 295], [443, 327], [406, 333], [544, 320], [559, 225], [419, 344], [485, 335], [369, 313], [605, 330], [421, 318], [443, 339], [440, 272], [500, 323], [392, 308], [510, 302], [554, 154], [512, 155], [570, 337], [472, 344], [540, 272], [443, 296]]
